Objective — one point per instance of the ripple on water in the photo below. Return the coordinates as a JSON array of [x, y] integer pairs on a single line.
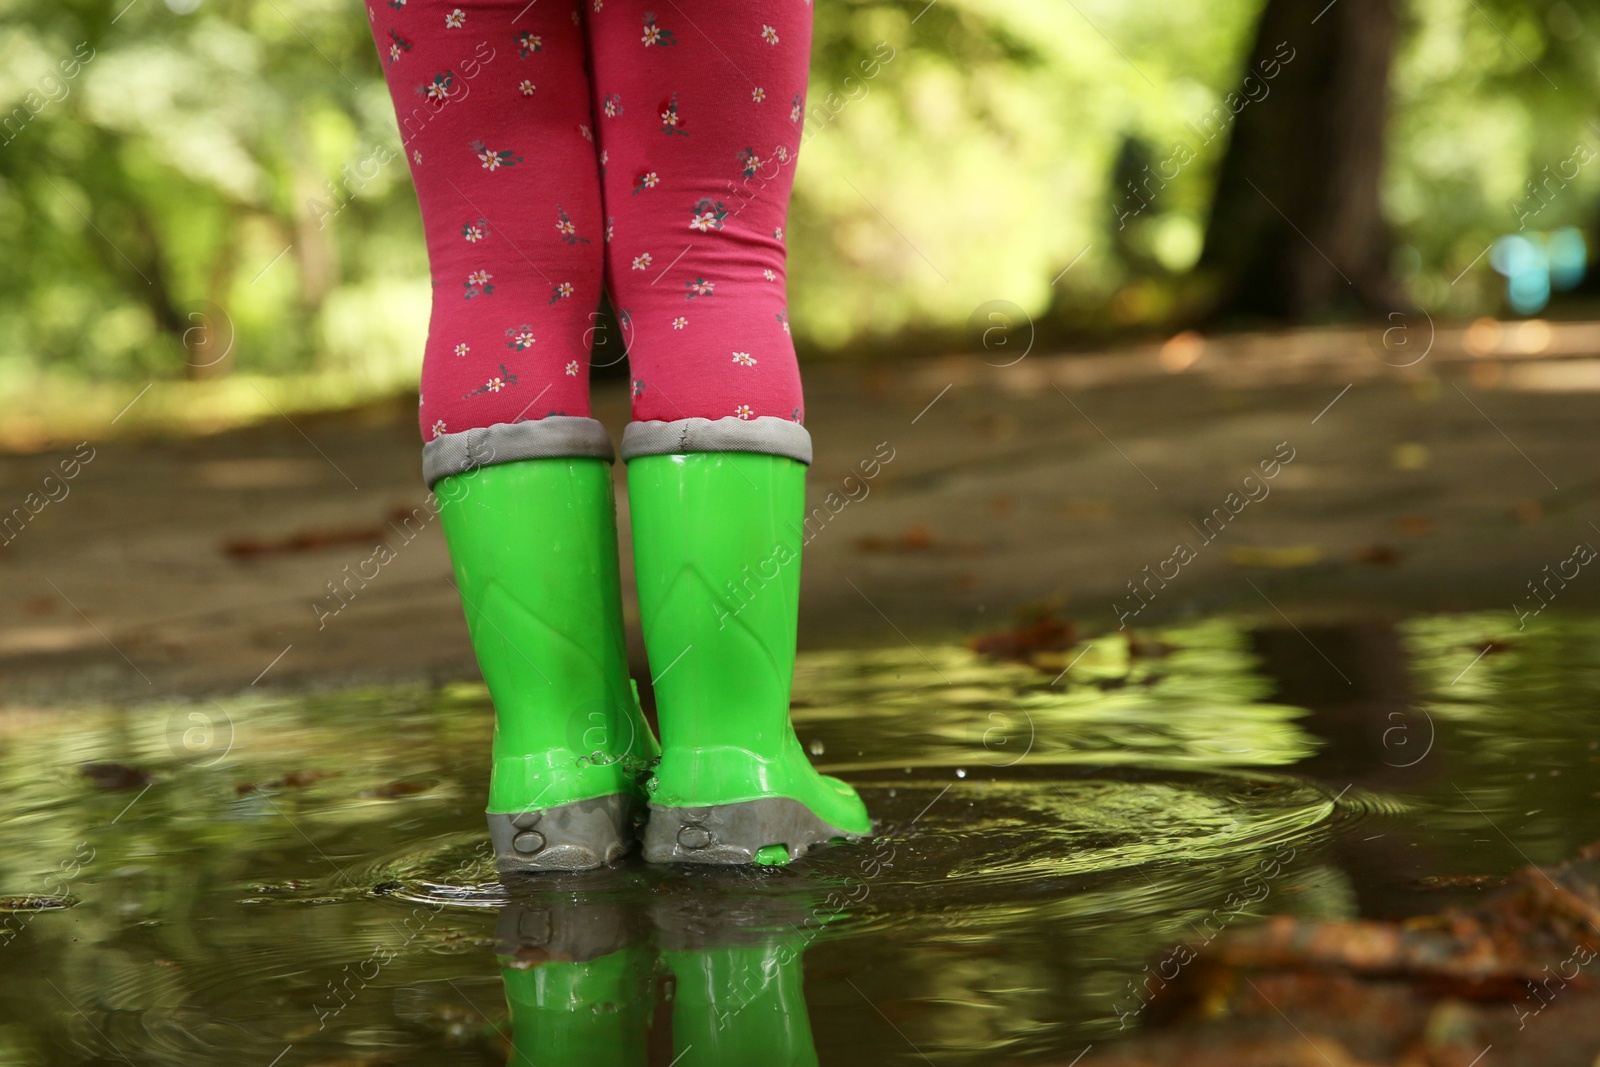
[[1106, 812], [942, 842]]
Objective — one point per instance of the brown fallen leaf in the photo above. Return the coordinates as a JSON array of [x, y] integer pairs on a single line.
[[1436, 991], [1042, 633], [918, 539], [1086, 509], [115, 776], [308, 540], [1413, 525], [1378, 555], [914, 539], [1489, 951], [1316, 1049]]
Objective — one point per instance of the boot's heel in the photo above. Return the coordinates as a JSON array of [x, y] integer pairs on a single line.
[[568, 837], [772, 830]]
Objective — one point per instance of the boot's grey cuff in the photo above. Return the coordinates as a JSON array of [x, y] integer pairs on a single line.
[[552, 437], [767, 434]]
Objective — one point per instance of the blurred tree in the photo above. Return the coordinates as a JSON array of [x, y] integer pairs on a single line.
[[175, 185], [1297, 230], [1137, 204], [192, 187]]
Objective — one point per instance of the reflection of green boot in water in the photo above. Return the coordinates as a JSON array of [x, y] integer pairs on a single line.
[[741, 1006], [579, 983], [580, 972], [591, 1014], [534, 547], [717, 554]]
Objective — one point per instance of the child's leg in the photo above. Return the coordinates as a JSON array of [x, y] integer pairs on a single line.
[[494, 113], [700, 125], [699, 108], [493, 104]]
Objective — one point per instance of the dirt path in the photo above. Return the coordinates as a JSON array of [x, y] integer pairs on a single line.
[[1447, 485]]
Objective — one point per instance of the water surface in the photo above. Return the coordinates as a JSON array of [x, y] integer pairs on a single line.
[[298, 882]]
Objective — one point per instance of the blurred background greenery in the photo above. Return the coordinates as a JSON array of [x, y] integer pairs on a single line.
[[210, 189]]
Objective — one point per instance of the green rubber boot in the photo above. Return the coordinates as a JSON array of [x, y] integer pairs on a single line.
[[716, 540], [740, 1005], [534, 547]]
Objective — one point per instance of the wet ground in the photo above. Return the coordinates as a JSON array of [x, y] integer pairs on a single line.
[[301, 880], [175, 565]]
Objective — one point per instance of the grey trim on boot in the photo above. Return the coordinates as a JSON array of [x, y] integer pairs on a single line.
[[569, 837], [734, 833], [552, 437], [768, 434]]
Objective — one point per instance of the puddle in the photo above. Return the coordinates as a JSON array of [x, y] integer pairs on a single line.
[[297, 883]]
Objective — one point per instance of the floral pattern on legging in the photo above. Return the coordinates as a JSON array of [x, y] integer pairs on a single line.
[[667, 175]]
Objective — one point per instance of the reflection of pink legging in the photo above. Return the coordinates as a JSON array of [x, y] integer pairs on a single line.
[[652, 139]]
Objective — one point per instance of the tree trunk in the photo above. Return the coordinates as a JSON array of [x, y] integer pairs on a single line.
[[1297, 230]]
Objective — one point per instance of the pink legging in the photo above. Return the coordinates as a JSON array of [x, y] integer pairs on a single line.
[[650, 142]]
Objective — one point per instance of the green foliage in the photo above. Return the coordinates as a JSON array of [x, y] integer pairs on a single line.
[[158, 163], [181, 178], [1485, 96]]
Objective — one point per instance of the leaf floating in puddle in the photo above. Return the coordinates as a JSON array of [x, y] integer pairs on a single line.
[[115, 776], [20, 904], [292, 780], [1041, 633]]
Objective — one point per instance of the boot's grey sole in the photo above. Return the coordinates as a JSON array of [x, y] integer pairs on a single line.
[[571, 837], [734, 833]]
